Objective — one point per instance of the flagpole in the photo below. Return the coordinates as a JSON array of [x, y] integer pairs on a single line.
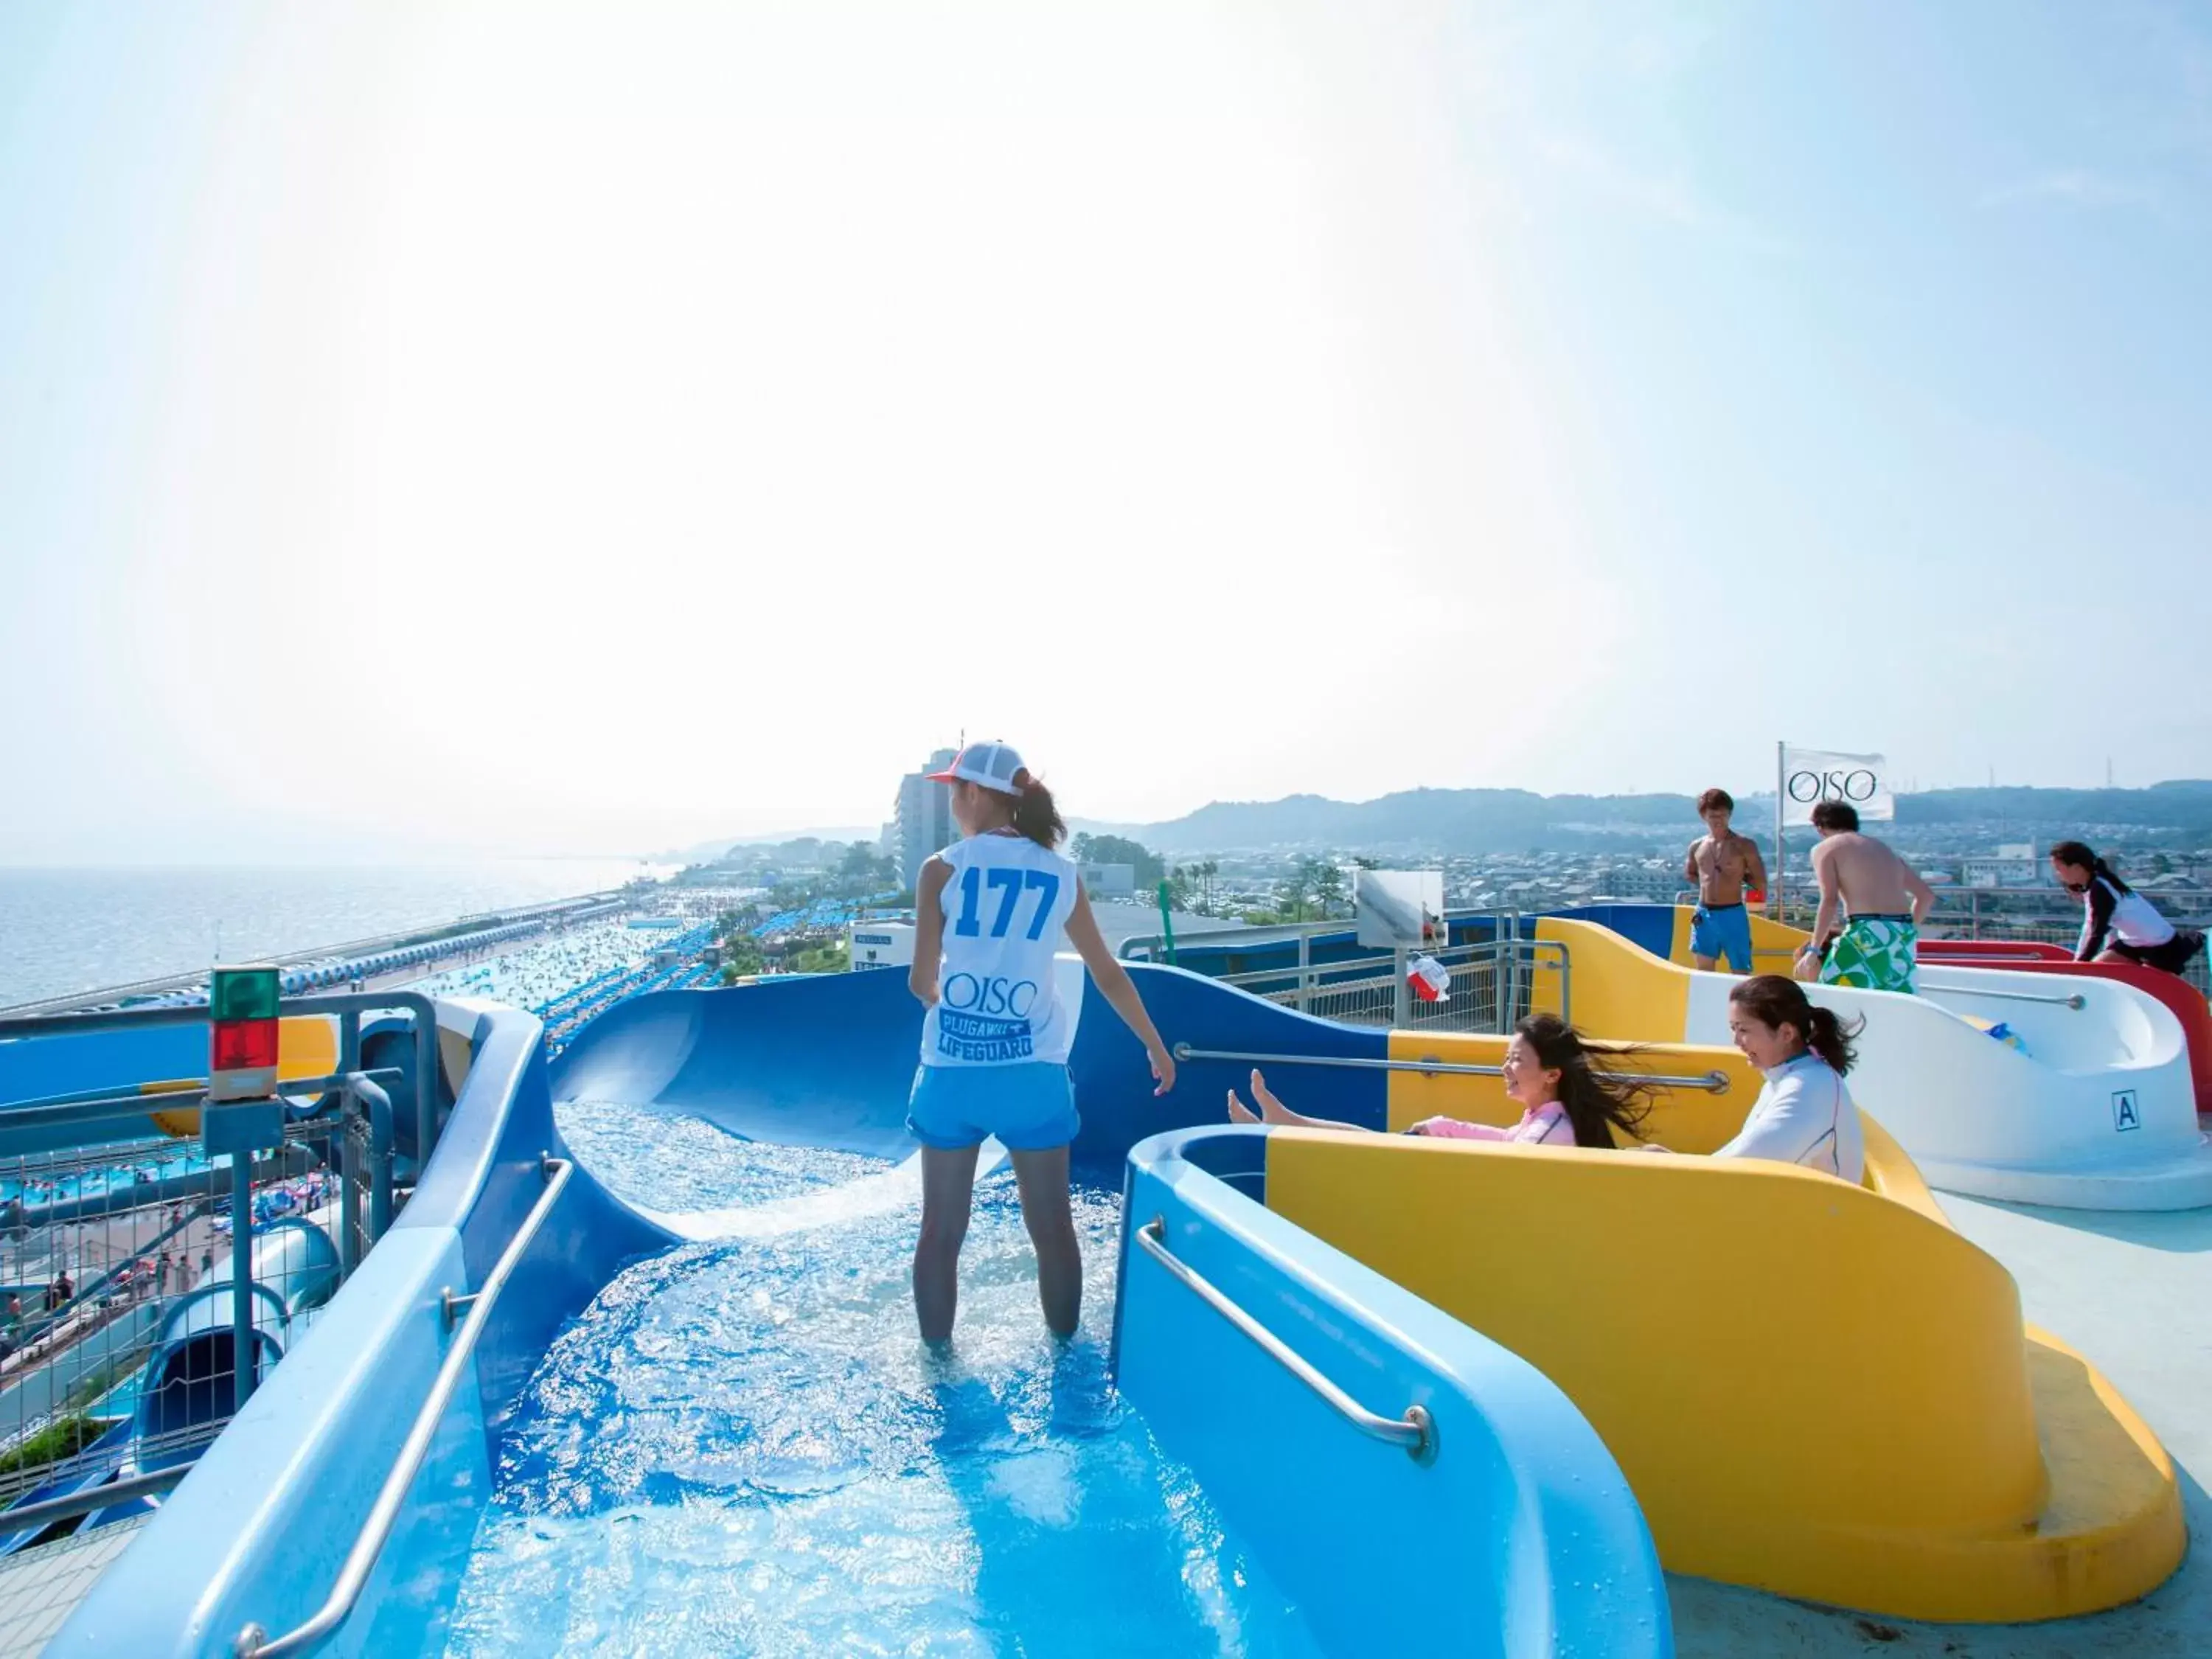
[[1781, 852]]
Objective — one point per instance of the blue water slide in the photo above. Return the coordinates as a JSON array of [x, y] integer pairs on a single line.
[[1506, 1529], [254, 1534], [95, 1465], [1532, 1528], [186, 1383]]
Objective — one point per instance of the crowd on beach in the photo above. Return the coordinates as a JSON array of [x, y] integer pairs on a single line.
[[546, 969]]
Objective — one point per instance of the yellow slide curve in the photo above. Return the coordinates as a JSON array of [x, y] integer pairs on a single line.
[[1816, 1389]]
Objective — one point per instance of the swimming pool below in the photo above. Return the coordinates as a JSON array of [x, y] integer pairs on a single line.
[[741, 1448]]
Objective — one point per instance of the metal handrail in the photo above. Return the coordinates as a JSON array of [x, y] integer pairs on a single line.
[[30, 1517], [1281, 932], [1715, 1082], [252, 1643], [2077, 1002], [1416, 1431], [347, 1004]]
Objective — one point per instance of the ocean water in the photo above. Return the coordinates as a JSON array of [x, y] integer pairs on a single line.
[[741, 1448], [65, 930]]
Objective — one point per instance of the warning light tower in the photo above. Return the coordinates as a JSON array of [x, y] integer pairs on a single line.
[[242, 1022]]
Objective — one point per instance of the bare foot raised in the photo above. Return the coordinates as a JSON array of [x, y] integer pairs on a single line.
[[1271, 1110]]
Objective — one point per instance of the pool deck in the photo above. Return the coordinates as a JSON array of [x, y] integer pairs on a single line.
[[39, 1588], [2133, 1292]]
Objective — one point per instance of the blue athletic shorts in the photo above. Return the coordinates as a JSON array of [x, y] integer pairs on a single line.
[[1724, 932], [1030, 1106]]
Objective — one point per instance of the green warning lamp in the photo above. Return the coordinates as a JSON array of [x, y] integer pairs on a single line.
[[242, 1033]]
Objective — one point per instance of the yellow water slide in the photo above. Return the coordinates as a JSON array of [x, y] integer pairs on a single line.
[[307, 1047], [1816, 1389]]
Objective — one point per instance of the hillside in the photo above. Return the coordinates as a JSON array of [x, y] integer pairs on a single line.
[[1503, 820]]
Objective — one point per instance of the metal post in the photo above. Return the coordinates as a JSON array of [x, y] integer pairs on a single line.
[[1306, 963], [1508, 1000], [1402, 1002], [348, 1193], [1780, 911], [241, 1279], [426, 1089], [372, 1096]]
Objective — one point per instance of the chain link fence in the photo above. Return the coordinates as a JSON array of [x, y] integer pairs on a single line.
[[117, 1318]]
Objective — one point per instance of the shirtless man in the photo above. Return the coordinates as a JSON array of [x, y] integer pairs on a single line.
[[1723, 864], [1872, 904]]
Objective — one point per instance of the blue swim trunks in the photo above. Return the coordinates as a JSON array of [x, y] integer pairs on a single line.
[[1029, 1107], [1722, 930]]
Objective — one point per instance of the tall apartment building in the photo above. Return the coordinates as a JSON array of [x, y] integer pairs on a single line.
[[923, 823]]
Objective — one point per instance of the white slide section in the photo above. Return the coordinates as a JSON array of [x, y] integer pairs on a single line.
[[2097, 1113]]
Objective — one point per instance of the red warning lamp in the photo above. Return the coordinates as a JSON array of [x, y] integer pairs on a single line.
[[242, 1046]]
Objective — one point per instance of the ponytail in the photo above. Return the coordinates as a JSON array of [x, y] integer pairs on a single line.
[[1826, 1037], [2078, 854], [1034, 816], [1775, 1002]]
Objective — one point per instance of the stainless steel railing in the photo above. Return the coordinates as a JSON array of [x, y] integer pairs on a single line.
[[1492, 981], [1415, 1430], [253, 1641], [2076, 1001], [1711, 1082], [348, 1007]]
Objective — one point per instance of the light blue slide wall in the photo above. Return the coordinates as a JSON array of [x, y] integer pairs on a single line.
[[1519, 1538]]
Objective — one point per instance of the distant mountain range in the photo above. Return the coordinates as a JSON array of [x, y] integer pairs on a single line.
[[1507, 820], [1513, 820]]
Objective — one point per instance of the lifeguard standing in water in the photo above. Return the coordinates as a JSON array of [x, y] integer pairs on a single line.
[[989, 911]]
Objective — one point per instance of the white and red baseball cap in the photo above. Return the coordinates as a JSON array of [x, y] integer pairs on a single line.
[[988, 765]]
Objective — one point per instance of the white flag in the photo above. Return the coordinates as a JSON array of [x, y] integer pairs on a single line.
[[1810, 776]]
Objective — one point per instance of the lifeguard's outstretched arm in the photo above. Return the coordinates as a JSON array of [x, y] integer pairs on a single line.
[[1114, 983]]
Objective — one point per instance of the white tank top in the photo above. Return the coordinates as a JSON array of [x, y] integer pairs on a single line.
[[1005, 909]]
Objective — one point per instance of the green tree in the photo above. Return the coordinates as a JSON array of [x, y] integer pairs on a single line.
[[822, 957], [741, 957], [1293, 894], [1325, 882]]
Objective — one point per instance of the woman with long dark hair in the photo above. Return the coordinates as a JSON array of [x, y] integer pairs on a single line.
[[1804, 1113], [2113, 911], [1565, 1099]]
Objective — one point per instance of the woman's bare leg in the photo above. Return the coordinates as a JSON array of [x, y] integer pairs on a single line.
[[1273, 1110], [1042, 1179], [948, 1187]]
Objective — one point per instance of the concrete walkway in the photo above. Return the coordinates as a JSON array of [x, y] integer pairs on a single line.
[[2133, 1292]]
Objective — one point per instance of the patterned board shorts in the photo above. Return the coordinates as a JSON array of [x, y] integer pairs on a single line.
[[1875, 953]]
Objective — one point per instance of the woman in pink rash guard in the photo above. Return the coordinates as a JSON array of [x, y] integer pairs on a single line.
[[1565, 1100]]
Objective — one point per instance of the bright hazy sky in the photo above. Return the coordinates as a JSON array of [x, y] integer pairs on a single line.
[[560, 427]]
